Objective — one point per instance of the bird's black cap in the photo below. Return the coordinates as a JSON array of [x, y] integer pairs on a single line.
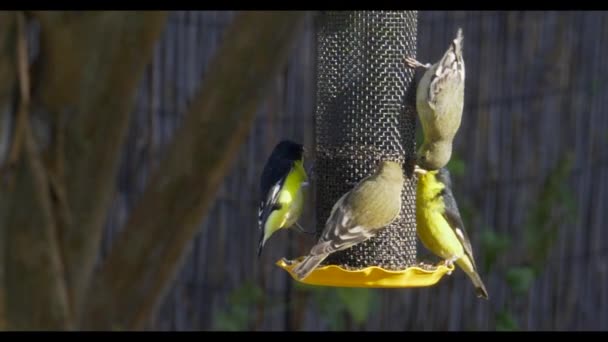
[[289, 150]]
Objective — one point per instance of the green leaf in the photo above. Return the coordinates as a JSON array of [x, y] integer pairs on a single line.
[[456, 165], [236, 316], [357, 302], [333, 303], [520, 279], [468, 211], [226, 322], [553, 206], [328, 304], [330, 307], [506, 322], [493, 245], [246, 295]]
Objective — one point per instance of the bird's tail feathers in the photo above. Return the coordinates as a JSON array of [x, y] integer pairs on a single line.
[[304, 268], [481, 292], [457, 42], [468, 266], [480, 288]]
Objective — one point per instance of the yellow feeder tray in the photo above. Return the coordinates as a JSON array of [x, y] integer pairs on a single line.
[[373, 276]]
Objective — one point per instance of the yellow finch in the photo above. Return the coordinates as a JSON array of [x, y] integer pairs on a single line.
[[440, 227], [439, 102], [282, 193], [358, 215]]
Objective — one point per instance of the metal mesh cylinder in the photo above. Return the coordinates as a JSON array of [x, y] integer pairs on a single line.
[[364, 113]]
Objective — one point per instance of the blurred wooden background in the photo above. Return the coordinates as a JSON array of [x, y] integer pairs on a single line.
[[529, 170]]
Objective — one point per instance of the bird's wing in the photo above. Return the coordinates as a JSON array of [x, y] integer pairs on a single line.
[[341, 231], [274, 175], [452, 215]]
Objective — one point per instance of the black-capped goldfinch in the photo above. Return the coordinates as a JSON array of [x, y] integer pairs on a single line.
[[282, 193], [374, 203], [439, 103], [439, 225]]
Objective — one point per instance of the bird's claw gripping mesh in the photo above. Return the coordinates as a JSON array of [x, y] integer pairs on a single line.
[[365, 114]]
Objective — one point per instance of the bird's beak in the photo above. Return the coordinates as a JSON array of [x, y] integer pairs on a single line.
[[305, 152], [419, 170]]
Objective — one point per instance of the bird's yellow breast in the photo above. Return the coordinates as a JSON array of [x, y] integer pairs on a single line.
[[291, 201], [433, 229]]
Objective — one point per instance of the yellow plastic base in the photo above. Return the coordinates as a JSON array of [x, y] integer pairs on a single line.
[[373, 276]]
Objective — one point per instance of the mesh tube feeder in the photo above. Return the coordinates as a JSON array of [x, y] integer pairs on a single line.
[[365, 113]]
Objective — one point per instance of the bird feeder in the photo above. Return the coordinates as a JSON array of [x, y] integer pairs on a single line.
[[365, 113]]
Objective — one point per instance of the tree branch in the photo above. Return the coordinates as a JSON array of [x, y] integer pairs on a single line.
[[34, 276], [7, 88], [7, 58], [148, 253], [90, 66]]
